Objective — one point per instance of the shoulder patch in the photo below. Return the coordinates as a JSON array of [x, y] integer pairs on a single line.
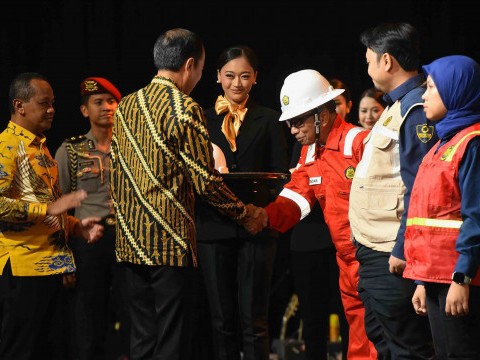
[[425, 132]]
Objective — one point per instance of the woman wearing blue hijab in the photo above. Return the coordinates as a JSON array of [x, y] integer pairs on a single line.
[[442, 240]]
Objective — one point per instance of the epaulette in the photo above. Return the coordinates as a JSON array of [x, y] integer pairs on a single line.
[[75, 139]]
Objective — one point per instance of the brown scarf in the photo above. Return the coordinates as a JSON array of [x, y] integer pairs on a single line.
[[232, 120]]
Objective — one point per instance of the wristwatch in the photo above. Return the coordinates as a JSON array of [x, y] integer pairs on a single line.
[[461, 278]]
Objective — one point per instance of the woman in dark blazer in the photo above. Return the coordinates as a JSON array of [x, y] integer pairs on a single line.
[[236, 266]]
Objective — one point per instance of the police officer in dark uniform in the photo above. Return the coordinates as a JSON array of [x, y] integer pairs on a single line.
[[83, 163]]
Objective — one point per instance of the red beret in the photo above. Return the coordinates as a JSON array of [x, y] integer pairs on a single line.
[[98, 85]]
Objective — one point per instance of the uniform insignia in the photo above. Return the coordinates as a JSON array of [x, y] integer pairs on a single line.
[[447, 153], [80, 173], [75, 139], [424, 132], [387, 121], [91, 85], [110, 221], [90, 144], [86, 163], [350, 172], [285, 100]]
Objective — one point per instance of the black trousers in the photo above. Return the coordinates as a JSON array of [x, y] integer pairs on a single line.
[[237, 276], [32, 317], [160, 299], [315, 279], [454, 337], [97, 301], [390, 320]]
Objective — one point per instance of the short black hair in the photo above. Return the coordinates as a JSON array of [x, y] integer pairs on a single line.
[[84, 99], [329, 106], [400, 40], [235, 52], [176, 46], [20, 88], [375, 94]]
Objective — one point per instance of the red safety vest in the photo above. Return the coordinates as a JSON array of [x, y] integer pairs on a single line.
[[434, 218]]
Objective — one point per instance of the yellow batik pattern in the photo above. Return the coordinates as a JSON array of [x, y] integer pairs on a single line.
[[35, 243]]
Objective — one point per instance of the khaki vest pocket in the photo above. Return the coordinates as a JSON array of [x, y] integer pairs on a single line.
[[381, 142], [381, 201]]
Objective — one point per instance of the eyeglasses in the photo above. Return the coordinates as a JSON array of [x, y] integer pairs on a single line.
[[298, 121]]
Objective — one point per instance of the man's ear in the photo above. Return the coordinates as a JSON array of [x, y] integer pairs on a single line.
[[189, 64], [324, 118], [18, 106], [84, 111], [387, 61]]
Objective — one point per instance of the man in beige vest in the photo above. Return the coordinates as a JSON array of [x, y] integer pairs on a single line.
[[380, 194]]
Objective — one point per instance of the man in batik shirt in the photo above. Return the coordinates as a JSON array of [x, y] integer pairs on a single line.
[[34, 226]]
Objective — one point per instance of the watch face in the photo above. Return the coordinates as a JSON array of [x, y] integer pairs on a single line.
[[460, 278]]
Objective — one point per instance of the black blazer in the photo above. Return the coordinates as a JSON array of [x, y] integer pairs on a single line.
[[261, 147]]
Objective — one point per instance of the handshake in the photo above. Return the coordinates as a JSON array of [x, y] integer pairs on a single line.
[[256, 219]]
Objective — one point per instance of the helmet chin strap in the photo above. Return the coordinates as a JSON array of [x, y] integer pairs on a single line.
[[317, 126]]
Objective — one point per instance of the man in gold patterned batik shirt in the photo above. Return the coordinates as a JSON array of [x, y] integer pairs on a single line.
[[34, 226], [161, 155]]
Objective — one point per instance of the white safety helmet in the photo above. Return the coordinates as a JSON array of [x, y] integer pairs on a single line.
[[303, 91]]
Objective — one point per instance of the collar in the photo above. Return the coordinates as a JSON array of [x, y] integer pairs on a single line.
[[28, 137], [164, 81], [407, 86], [89, 136], [335, 134]]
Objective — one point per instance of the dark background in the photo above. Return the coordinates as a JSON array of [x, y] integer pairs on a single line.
[[70, 40]]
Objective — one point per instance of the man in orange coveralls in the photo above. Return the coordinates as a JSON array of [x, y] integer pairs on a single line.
[[331, 150]]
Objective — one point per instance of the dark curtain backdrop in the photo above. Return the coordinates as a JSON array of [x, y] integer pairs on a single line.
[[68, 40]]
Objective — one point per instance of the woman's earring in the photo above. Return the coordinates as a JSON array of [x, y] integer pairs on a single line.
[[218, 81]]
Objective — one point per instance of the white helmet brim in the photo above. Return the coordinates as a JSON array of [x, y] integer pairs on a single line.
[[307, 105]]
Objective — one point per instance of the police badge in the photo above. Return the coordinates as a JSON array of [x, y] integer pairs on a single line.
[[425, 132]]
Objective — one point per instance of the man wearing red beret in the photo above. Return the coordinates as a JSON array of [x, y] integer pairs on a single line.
[[83, 163]]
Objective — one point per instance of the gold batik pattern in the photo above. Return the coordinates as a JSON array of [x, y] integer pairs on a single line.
[[161, 155], [35, 243]]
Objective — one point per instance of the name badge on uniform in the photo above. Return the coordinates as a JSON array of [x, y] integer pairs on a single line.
[[316, 180]]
